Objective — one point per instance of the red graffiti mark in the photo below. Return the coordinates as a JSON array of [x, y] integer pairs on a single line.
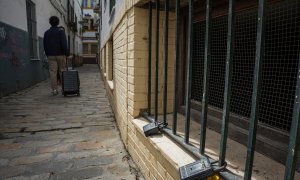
[[4, 56], [18, 50], [15, 60]]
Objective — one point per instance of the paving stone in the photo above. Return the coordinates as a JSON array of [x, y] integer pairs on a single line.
[[12, 146], [9, 130], [99, 123], [75, 139], [88, 145], [38, 128], [55, 148], [51, 166], [32, 144], [34, 177], [48, 133], [8, 171], [31, 159], [66, 138], [94, 161], [67, 125], [15, 153], [61, 136], [79, 174], [3, 162], [84, 154], [54, 122]]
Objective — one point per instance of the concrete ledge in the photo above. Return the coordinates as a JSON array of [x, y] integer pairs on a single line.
[[111, 84], [159, 155]]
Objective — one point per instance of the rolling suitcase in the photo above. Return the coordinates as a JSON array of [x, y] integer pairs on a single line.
[[70, 81]]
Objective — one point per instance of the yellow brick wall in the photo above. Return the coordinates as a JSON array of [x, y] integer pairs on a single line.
[[120, 76], [138, 61], [151, 162], [129, 93]]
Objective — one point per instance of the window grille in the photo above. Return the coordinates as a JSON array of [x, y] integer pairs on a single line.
[[279, 69]]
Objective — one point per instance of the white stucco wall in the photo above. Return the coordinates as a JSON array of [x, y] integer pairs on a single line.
[[78, 41], [89, 34], [14, 13], [108, 21], [44, 10]]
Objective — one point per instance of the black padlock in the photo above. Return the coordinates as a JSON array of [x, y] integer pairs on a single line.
[[150, 129], [200, 169]]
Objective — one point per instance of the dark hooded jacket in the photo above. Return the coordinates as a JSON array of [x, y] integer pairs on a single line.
[[55, 42]]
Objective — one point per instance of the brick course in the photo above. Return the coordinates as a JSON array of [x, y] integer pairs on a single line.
[[129, 93]]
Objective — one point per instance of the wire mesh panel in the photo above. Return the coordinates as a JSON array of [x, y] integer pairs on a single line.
[[198, 61], [279, 68], [282, 45], [218, 52], [243, 62]]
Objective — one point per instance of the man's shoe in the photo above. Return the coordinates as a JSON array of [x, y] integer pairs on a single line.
[[55, 92]]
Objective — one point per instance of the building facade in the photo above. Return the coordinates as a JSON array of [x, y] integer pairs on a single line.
[[168, 62], [22, 25], [89, 31]]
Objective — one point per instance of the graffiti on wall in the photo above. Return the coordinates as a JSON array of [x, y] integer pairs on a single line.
[[12, 47]]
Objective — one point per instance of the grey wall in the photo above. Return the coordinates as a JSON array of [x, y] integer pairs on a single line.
[[17, 71]]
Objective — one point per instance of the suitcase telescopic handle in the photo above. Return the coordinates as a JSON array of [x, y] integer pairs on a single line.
[[67, 63]]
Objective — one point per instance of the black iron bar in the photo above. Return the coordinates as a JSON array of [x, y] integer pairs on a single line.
[[149, 56], [189, 73], [190, 148], [291, 160], [227, 92], [176, 68], [156, 59], [256, 89], [206, 77], [166, 29]]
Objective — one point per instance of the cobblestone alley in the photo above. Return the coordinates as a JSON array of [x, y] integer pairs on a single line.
[[52, 137]]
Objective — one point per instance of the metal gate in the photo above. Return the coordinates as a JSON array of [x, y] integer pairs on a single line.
[[245, 63]]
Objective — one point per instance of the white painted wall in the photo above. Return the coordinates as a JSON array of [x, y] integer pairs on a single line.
[[106, 22], [78, 12], [89, 34], [44, 10], [13, 12]]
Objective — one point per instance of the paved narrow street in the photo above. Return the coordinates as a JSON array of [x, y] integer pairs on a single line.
[[54, 137]]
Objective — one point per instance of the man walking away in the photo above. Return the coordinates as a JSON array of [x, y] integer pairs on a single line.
[[56, 49]]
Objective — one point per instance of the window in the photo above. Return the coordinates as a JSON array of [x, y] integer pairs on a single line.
[[92, 3], [85, 3], [94, 48], [31, 23], [111, 5], [104, 60], [109, 60], [91, 24], [85, 48]]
